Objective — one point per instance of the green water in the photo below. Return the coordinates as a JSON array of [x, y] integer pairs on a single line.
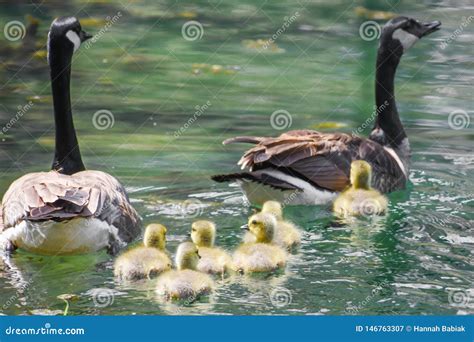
[[417, 260]]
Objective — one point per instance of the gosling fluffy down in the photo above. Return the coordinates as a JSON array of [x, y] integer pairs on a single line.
[[145, 261], [287, 235], [213, 260], [185, 282], [261, 255], [360, 199]]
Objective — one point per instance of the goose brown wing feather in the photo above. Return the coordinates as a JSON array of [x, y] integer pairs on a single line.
[[55, 196], [322, 158]]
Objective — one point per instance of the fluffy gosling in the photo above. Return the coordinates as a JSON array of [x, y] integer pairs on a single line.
[[360, 199], [213, 260], [145, 261], [185, 282], [261, 255], [286, 233]]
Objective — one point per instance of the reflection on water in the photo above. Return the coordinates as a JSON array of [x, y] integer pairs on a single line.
[[416, 260]]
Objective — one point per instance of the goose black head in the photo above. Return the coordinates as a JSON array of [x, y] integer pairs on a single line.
[[65, 37], [401, 33]]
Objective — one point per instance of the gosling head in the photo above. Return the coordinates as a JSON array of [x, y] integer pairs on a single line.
[[262, 226], [401, 33], [274, 208], [64, 38], [203, 233], [155, 236], [361, 174], [187, 256]]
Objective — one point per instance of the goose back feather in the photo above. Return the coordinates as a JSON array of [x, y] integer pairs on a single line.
[[321, 159], [43, 196]]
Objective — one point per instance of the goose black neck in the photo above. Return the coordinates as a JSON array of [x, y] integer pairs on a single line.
[[388, 119], [67, 156]]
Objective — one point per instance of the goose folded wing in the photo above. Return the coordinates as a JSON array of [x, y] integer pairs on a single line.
[[50, 196], [322, 159], [388, 173]]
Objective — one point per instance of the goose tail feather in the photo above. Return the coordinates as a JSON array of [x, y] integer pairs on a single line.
[[244, 139]]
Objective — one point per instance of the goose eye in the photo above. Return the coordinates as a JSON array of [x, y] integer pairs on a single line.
[[253, 222]]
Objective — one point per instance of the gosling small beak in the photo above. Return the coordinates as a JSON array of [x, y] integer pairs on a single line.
[[199, 256], [188, 235], [83, 35], [245, 227], [430, 27]]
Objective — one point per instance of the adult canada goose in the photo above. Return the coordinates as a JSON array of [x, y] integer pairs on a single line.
[[309, 167], [67, 210]]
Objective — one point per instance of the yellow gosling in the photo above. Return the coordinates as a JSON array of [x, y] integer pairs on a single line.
[[185, 282], [145, 261], [360, 199], [261, 255], [287, 235], [213, 260]]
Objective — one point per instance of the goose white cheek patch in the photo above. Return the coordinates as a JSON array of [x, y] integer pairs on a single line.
[[74, 38], [406, 39]]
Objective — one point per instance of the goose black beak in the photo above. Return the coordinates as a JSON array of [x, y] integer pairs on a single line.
[[430, 27], [84, 36]]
